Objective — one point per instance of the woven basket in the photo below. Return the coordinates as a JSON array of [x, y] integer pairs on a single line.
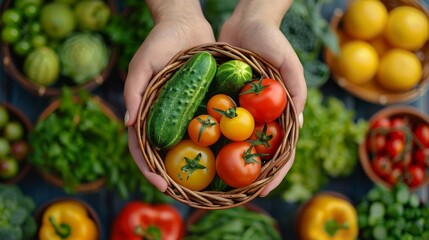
[[12, 65], [371, 91], [217, 199]]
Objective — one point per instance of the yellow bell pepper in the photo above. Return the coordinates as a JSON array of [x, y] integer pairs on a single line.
[[69, 220], [328, 217]]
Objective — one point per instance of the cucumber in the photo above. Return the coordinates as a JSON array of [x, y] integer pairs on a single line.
[[231, 77], [178, 101]]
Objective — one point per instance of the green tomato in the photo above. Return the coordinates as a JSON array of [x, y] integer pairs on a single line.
[[31, 11], [8, 168], [13, 131], [39, 40], [11, 16], [35, 27], [4, 147], [4, 116], [22, 47], [10, 34]]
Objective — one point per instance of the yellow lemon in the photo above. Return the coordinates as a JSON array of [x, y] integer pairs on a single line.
[[399, 70], [407, 28], [365, 19], [358, 61]]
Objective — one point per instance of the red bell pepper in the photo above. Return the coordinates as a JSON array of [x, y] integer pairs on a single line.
[[139, 220]]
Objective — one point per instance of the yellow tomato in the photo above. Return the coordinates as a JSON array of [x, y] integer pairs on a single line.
[[238, 126], [191, 165]]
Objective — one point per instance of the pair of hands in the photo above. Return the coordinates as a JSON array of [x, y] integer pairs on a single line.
[[177, 32]]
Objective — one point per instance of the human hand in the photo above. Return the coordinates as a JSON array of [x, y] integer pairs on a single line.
[[178, 25], [254, 25]]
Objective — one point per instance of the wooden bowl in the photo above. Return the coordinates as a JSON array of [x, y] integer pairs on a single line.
[[55, 179], [217, 199], [371, 91], [92, 214], [13, 66], [411, 115], [18, 115]]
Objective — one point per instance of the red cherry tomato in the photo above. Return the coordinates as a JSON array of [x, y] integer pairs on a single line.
[[397, 125], [265, 99], [421, 132], [267, 138], [382, 166], [395, 175], [376, 143], [381, 123], [394, 147], [421, 157], [414, 175]]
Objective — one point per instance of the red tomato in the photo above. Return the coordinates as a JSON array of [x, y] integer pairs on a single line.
[[382, 166], [397, 125], [421, 157], [375, 143], [381, 123], [204, 130], [403, 161], [395, 175], [236, 165], [414, 175], [394, 147], [267, 138], [219, 102], [265, 99], [421, 132]]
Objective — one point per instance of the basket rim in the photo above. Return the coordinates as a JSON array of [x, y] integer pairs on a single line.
[[288, 144], [363, 154], [372, 95], [50, 91]]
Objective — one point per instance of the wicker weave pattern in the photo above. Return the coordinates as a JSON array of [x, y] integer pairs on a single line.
[[214, 199]]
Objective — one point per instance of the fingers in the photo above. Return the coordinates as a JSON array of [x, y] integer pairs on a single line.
[[134, 147], [279, 178]]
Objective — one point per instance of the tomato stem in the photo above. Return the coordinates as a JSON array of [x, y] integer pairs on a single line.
[[205, 124], [255, 88], [230, 112], [249, 157], [191, 165], [262, 137]]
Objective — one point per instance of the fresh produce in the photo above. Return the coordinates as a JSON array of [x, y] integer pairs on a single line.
[[16, 209], [233, 223], [220, 102], [267, 138], [118, 30], [190, 165], [328, 216], [362, 24], [329, 124], [407, 27], [13, 144], [238, 164], [380, 44], [396, 148], [230, 78], [67, 219], [91, 15], [83, 56], [237, 124], [178, 100], [42, 66], [204, 130], [139, 220], [265, 99], [57, 20], [392, 214]]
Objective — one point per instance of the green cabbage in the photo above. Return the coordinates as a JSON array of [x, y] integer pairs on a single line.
[[83, 56]]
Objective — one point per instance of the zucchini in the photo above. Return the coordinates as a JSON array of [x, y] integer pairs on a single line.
[[178, 101]]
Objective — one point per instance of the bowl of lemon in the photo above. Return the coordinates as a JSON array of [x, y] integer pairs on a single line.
[[384, 50]]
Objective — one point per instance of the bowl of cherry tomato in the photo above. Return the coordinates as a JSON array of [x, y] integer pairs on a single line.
[[396, 147]]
